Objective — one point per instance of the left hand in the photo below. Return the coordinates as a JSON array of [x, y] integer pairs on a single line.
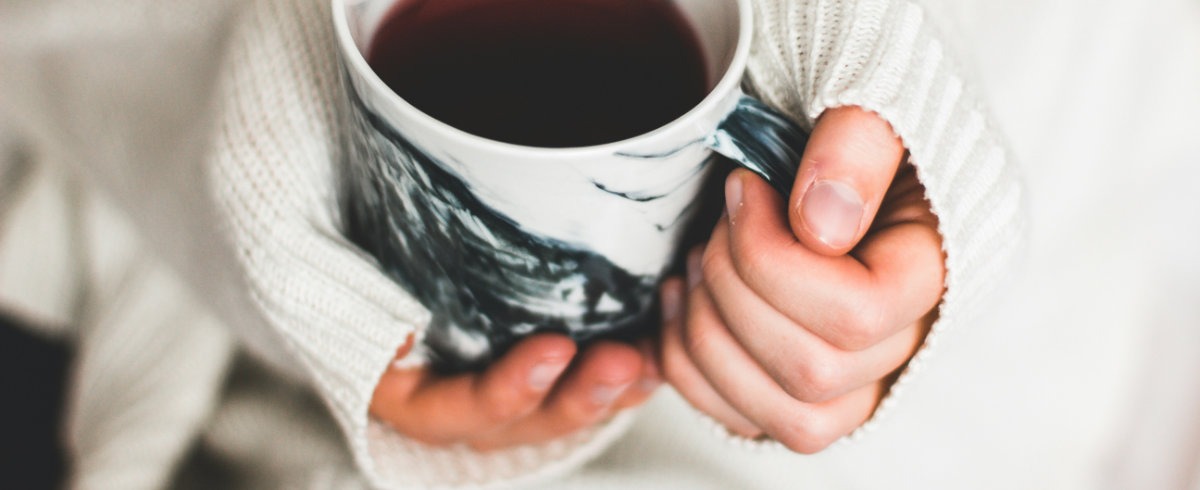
[[794, 323], [540, 390]]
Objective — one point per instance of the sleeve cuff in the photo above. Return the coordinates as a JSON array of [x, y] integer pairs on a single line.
[[887, 57], [397, 462], [338, 316]]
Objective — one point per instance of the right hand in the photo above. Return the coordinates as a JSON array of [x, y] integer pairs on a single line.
[[540, 390], [796, 318]]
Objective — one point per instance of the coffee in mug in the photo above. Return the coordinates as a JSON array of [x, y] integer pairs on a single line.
[[557, 74]]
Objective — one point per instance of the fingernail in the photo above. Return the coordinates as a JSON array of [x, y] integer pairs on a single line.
[[693, 268], [543, 375], [605, 395], [832, 211], [733, 197]]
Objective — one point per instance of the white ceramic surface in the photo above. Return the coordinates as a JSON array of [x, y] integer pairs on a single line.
[[621, 205]]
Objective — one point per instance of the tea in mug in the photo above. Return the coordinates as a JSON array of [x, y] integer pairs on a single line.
[[547, 73]]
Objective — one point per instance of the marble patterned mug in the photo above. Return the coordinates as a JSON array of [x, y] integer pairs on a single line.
[[500, 241]]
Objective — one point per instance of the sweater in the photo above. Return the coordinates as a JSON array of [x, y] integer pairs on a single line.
[[177, 221]]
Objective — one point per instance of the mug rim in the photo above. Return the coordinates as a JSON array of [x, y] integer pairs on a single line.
[[729, 82]]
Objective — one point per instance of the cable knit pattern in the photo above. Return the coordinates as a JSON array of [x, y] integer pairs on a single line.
[[884, 56]]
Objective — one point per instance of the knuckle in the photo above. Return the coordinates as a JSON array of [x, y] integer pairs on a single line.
[[696, 341], [815, 380], [810, 435], [860, 326]]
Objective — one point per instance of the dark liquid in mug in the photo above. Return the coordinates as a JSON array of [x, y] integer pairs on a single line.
[[549, 73]]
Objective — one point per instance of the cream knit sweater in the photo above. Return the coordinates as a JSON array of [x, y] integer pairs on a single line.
[[173, 159]]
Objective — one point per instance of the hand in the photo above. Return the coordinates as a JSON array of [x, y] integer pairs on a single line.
[[523, 398], [793, 324]]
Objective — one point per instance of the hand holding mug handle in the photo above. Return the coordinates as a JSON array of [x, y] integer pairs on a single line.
[[543, 388], [795, 318]]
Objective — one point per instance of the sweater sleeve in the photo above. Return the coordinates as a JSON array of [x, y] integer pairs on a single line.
[[273, 174], [886, 56]]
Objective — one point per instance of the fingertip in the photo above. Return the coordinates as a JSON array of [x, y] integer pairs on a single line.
[[761, 216], [849, 163], [613, 362], [404, 350], [648, 381], [734, 184], [599, 383], [532, 366], [543, 375], [544, 358]]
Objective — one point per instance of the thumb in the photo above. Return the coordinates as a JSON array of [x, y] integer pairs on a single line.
[[850, 161]]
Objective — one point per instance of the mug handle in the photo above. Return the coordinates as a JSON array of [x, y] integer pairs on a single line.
[[762, 140]]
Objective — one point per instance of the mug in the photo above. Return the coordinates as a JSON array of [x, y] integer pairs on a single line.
[[500, 241]]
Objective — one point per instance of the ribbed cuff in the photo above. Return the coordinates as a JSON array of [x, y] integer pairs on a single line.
[[886, 57], [460, 468], [273, 174]]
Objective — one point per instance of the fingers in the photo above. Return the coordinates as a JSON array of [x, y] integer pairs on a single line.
[[805, 366], [523, 398], [847, 167], [651, 377], [739, 380], [683, 374], [608, 376], [442, 410], [851, 301], [796, 319]]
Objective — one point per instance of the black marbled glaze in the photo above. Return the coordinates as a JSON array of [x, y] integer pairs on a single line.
[[763, 140], [493, 285], [487, 281]]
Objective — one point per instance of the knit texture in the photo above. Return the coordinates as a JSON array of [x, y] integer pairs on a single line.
[[344, 320], [883, 56], [269, 164], [1073, 382], [274, 174]]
